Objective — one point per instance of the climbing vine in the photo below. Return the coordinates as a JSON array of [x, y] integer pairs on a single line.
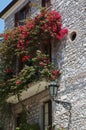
[[22, 58]]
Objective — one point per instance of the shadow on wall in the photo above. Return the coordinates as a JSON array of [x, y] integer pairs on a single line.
[[58, 52], [68, 107]]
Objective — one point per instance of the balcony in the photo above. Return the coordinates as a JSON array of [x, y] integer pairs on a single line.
[[33, 89]]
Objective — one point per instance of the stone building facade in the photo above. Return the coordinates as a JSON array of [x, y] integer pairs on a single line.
[[73, 66], [69, 110]]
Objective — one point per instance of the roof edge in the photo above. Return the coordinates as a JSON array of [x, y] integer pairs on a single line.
[[7, 7]]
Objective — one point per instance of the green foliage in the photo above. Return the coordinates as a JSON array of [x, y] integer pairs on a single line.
[[28, 127], [39, 68], [17, 128]]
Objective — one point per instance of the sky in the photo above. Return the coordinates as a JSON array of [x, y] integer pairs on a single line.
[[3, 4]]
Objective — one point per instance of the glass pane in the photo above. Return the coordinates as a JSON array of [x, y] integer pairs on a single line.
[[46, 119], [47, 115], [23, 15], [46, 107], [51, 91]]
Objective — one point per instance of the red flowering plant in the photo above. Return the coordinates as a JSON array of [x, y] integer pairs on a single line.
[[27, 59], [19, 50], [18, 82], [26, 39]]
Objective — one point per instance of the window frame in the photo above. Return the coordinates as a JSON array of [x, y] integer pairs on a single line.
[[18, 119], [49, 102], [46, 3], [46, 47], [19, 18]]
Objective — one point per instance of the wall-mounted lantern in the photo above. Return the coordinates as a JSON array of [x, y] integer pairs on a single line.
[[53, 88]]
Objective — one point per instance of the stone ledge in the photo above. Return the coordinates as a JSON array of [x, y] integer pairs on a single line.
[[34, 89]]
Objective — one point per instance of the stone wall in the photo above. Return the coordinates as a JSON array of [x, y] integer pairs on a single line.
[[9, 22], [70, 111]]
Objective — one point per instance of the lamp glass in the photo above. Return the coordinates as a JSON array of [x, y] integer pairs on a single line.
[[53, 89]]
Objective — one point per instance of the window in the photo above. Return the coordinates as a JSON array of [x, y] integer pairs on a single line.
[[18, 120], [21, 118], [46, 3], [45, 47], [73, 35], [47, 113], [22, 15]]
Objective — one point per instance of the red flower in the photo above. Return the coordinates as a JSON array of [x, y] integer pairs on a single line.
[[18, 82], [26, 58], [30, 25], [24, 33], [42, 64], [6, 36], [44, 27], [61, 34], [54, 28], [56, 72], [18, 45]]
